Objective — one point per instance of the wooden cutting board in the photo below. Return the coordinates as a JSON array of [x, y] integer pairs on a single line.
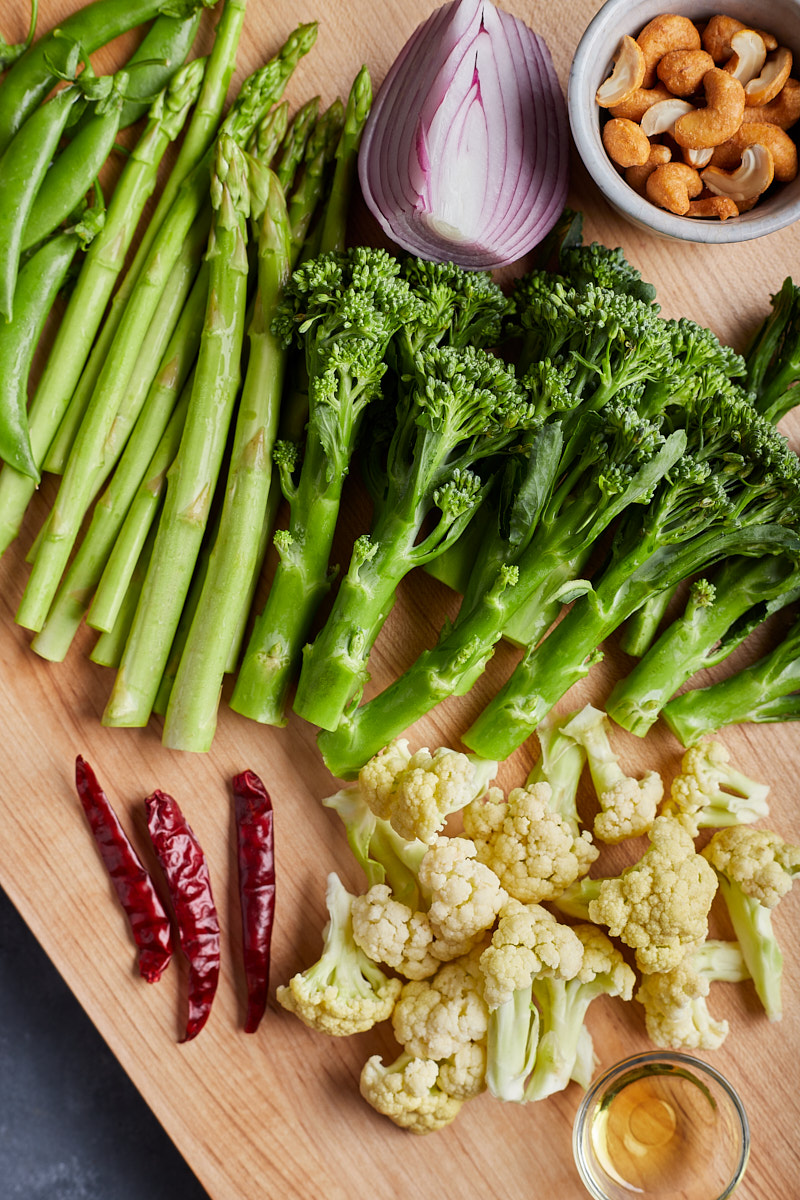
[[279, 1112]]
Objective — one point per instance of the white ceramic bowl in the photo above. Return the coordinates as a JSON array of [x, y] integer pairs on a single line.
[[593, 63]]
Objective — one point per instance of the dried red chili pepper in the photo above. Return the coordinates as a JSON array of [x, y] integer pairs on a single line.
[[134, 887], [255, 834], [186, 871]]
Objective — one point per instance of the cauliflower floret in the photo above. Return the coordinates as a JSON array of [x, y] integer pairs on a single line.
[[465, 895], [434, 1018], [463, 1074], [676, 1014], [562, 1051], [714, 793], [344, 992], [390, 932], [534, 851], [528, 941], [628, 806], [756, 868], [659, 905], [758, 860], [407, 1092], [417, 792]]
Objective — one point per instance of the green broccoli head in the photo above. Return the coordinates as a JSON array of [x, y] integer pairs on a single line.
[[598, 264], [458, 307]]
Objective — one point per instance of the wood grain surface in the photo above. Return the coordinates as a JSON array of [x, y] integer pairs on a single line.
[[279, 1113]]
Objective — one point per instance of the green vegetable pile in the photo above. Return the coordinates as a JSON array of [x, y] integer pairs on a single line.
[[557, 449], [460, 938]]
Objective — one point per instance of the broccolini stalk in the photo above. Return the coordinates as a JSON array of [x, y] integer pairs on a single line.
[[736, 491], [193, 475], [455, 408], [192, 711], [86, 568], [257, 94], [547, 526], [720, 613], [343, 309], [93, 287], [773, 358], [766, 691]]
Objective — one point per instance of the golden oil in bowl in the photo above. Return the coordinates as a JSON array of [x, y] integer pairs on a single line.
[[664, 1127]]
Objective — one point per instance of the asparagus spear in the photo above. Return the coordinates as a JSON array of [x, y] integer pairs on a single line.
[[191, 714], [139, 518], [83, 573], [199, 137], [257, 94], [94, 285], [193, 476]]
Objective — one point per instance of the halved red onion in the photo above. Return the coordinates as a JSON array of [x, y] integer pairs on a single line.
[[465, 154]]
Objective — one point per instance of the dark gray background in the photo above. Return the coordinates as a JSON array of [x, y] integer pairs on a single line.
[[72, 1125]]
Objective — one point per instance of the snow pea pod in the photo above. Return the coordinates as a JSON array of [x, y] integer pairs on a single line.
[[31, 77], [38, 284], [162, 52], [75, 169], [22, 169]]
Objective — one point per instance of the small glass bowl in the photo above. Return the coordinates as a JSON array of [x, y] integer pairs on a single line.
[[661, 1125]]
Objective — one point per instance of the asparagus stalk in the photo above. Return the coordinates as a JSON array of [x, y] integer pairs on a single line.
[[84, 572], [108, 420], [257, 94], [333, 227], [193, 476], [107, 650], [94, 285], [138, 520], [191, 714]]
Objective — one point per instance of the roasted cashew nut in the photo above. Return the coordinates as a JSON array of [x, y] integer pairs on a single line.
[[698, 158], [777, 141], [626, 77], [749, 56], [721, 207], [637, 104], [751, 178], [721, 117], [783, 111], [767, 85], [637, 177], [666, 32], [625, 142], [719, 31], [673, 186], [682, 71], [661, 117]]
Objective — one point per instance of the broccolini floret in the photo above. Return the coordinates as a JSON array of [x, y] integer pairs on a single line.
[[773, 357], [455, 409], [341, 309]]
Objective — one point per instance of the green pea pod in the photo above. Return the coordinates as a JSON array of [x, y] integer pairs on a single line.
[[95, 25], [22, 169], [74, 171], [39, 282], [163, 51]]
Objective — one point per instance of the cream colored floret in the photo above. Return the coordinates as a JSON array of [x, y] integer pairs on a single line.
[[659, 906], [533, 851], [392, 933], [417, 792], [463, 1075], [407, 1093], [434, 1018], [758, 860], [465, 895], [528, 941], [675, 1009]]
